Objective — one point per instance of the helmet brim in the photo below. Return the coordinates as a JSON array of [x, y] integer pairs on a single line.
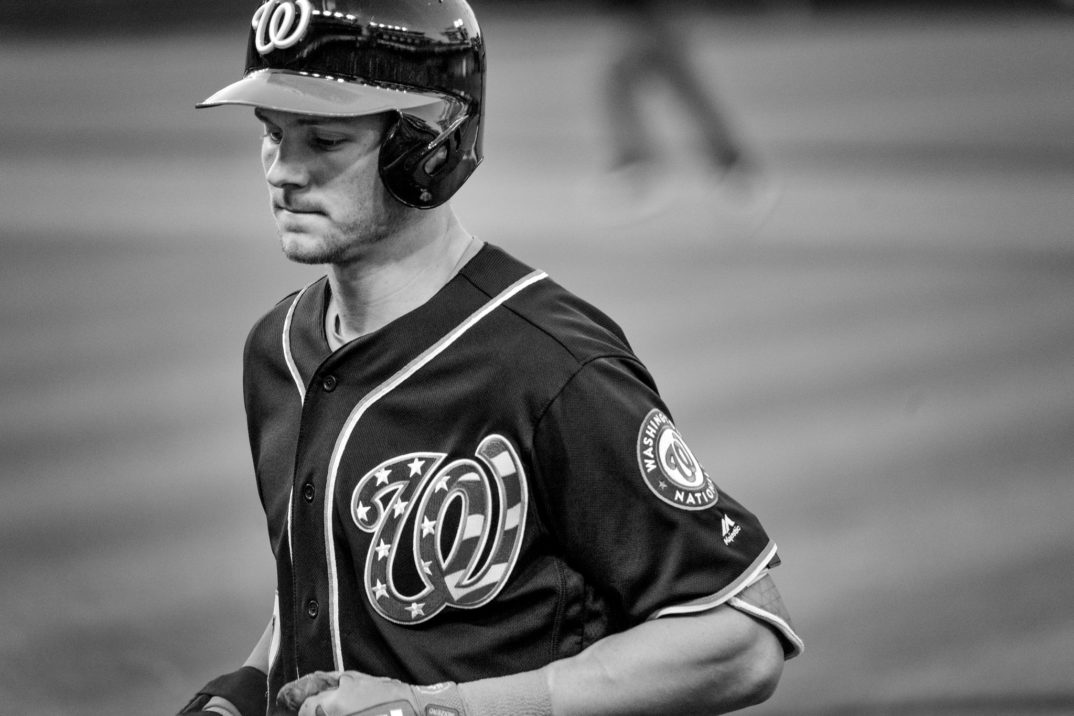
[[298, 93]]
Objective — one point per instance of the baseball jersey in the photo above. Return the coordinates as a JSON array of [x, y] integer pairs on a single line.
[[485, 485]]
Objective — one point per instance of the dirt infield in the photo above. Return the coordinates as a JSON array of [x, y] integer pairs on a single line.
[[883, 368]]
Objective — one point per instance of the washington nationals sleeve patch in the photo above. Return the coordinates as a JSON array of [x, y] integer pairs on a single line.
[[669, 468]]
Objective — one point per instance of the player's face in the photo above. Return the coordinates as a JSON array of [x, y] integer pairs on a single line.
[[327, 198]]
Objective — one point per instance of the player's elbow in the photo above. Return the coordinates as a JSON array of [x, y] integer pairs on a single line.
[[761, 668], [749, 671]]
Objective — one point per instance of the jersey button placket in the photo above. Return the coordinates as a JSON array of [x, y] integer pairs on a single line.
[[312, 609], [309, 492], [329, 383]]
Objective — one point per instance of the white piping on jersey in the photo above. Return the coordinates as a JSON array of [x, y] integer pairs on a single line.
[[356, 414], [798, 646], [290, 547], [287, 356], [292, 366], [274, 641], [751, 575]]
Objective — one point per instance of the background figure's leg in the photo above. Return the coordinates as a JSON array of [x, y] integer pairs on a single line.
[[635, 184], [629, 139], [669, 56], [632, 58]]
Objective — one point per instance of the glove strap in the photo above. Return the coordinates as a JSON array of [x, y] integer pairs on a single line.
[[439, 700], [246, 688]]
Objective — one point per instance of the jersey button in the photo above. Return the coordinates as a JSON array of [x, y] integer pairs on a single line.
[[309, 491], [329, 383], [312, 608]]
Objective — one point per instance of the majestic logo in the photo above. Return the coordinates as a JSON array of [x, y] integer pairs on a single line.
[[670, 470], [442, 536], [730, 529], [279, 24]]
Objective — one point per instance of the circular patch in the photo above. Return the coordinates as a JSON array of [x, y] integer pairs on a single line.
[[669, 468]]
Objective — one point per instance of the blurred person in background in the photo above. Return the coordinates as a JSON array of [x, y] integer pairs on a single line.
[[649, 52], [476, 498]]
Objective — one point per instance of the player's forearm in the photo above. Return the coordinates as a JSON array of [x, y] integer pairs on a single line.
[[719, 661], [711, 663]]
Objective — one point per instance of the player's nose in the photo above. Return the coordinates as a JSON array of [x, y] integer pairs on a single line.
[[285, 165]]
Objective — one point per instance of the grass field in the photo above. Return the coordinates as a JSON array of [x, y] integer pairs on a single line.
[[883, 369]]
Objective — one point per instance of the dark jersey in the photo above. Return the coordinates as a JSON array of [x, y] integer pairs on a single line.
[[487, 484]]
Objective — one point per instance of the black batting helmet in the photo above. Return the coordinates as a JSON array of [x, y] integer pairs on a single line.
[[422, 59]]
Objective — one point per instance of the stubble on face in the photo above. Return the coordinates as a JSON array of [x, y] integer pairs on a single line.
[[328, 201], [374, 217]]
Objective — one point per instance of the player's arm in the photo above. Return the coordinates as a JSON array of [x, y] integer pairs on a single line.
[[710, 662], [247, 686]]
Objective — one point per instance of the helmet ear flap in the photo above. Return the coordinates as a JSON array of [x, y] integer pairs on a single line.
[[421, 168]]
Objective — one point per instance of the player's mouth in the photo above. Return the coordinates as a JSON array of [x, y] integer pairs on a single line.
[[301, 218], [295, 212], [293, 208]]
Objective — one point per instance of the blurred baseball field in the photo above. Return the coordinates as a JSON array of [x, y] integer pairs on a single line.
[[882, 366]]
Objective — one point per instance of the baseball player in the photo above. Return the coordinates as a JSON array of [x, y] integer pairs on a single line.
[[477, 500]]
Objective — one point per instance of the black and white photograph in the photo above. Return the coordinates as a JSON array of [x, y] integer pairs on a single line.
[[537, 358]]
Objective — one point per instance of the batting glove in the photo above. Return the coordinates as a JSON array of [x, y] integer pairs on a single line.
[[352, 693]]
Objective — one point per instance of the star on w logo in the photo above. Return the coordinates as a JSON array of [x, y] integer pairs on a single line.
[[405, 503]]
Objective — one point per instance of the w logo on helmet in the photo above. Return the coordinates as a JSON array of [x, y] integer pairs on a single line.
[[279, 24]]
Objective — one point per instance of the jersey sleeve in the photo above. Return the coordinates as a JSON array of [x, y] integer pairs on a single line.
[[632, 506]]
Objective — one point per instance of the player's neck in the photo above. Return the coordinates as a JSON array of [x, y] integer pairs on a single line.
[[398, 274]]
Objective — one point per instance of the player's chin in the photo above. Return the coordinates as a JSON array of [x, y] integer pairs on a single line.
[[305, 248]]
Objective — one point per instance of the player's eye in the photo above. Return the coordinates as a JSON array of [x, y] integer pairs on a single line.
[[327, 142], [273, 135]]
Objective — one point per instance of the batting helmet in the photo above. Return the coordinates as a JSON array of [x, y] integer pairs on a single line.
[[422, 59]]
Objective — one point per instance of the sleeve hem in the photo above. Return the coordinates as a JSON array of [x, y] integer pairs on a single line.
[[748, 577], [792, 643]]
